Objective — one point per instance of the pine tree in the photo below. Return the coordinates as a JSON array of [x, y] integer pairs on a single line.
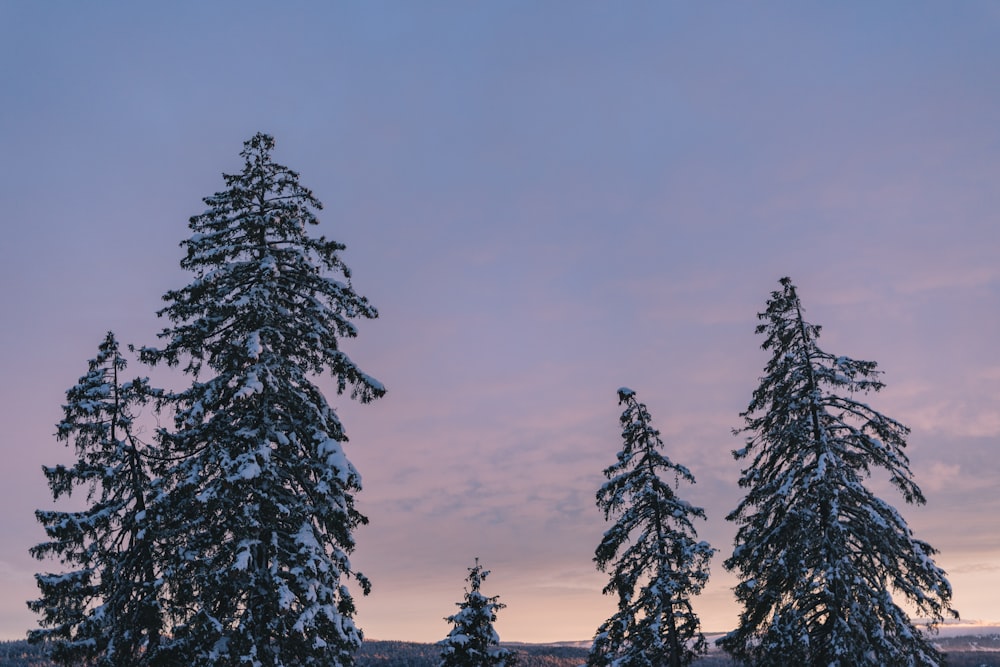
[[260, 509], [820, 558], [472, 641], [106, 610], [656, 563]]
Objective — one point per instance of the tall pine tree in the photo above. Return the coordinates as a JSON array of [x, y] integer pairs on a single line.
[[106, 609], [260, 510], [821, 558], [656, 562], [473, 642]]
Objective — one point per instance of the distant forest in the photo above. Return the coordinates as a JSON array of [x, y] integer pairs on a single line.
[[961, 652]]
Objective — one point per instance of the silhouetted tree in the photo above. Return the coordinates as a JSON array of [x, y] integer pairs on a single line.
[[259, 512], [106, 610], [656, 562], [472, 641], [819, 556]]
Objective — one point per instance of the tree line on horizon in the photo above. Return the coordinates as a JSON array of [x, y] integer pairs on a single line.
[[965, 651], [225, 538], [372, 653]]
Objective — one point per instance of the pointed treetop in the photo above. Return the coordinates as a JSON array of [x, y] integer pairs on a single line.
[[476, 575], [259, 142]]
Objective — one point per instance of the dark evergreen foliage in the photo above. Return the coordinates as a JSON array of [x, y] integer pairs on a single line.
[[657, 564], [259, 513], [104, 610], [820, 558], [473, 642]]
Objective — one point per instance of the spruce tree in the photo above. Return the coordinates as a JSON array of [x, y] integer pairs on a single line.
[[260, 508], [472, 641], [657, 565], [821, 560], [106, 609]]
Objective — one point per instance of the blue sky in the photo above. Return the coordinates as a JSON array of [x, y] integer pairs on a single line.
[[546, 201]]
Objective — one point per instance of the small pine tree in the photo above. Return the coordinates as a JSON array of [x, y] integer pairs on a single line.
[[819, 556], [472, 641], [259, 512], [105, 611], [657, 565]]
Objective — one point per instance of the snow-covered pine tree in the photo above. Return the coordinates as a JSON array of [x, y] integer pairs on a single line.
[[105, 610], [657, 564], [473, 642], [820, 558], [260, 509]]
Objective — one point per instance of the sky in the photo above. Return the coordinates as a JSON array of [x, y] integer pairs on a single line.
[[545, 201]]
